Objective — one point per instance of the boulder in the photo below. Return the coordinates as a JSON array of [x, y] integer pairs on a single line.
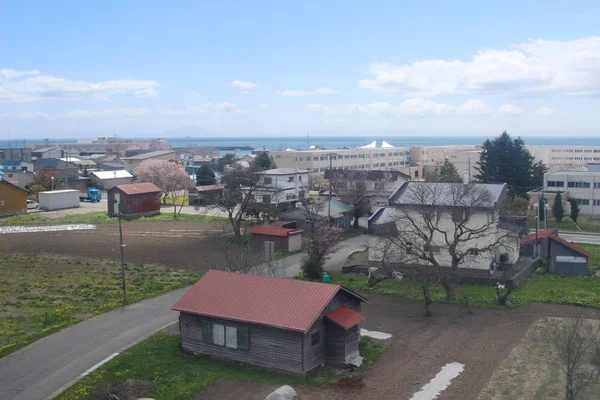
[[285, 392], [397, 275], [375, 276]]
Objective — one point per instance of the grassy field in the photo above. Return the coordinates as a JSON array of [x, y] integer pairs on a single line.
[[585, 223], [41, 294], [178, 376], [351, 233], [540, 287], [97, 218]]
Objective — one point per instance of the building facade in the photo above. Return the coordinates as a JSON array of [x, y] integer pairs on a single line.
[[13, 199], [581, 185], [282, 185], [565, 157], [424, 159], [364, 158], [134, 200]]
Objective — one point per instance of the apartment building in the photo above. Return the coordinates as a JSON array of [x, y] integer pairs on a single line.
[[282, 185], [316, 161], [565, 157], [427, 158], [582, 185]]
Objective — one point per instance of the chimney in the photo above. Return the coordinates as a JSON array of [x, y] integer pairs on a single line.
[[466, 177]]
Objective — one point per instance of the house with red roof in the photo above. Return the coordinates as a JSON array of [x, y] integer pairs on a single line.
[[285, 325], [562, 256], [134, 200], [287, 239]]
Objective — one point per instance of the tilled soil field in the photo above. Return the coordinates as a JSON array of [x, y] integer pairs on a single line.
[[187, 245]]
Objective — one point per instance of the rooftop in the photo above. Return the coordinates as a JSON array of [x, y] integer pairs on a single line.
[[283, 171], [282, 303], [138, 188], [274, 231], [112, 174], [151, 154], [375, 175], [12, 185], [443, 194], [209, 188]]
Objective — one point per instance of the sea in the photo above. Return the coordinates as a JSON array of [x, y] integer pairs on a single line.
[[330, 142]]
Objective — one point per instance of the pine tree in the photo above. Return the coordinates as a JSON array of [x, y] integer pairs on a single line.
[[263, 161], [506, 160], [204, 176], [449, 173], [574, 209], [557, 208]]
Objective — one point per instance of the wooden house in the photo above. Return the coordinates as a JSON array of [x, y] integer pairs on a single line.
[[13, 199], [285, 325], [283, 238], [134, 200]]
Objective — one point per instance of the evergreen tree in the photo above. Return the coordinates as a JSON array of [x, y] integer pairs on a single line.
[[449, 173], [263, 161], [506, 160], [205, 176], [574, 209], [227, 159], [557, 208]]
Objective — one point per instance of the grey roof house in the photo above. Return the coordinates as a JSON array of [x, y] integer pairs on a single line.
[[285, 325], [341, 214]]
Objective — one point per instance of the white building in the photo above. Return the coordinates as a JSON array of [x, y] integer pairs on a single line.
[[110, 179], [565, 157], [581, 185], [428, 158], [282, 185], [316, 161], [446, 213]]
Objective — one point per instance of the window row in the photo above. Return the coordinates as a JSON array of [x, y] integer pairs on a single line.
[[229, 336]]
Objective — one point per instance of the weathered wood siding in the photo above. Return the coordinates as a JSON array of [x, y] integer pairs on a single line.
[[319, 354], [270, 348], [336, 344], [351, 343]]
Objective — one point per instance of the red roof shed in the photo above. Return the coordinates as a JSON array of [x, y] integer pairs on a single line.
[[134, 200]]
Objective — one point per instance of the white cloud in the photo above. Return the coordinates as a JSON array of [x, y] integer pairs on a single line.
[[39, 87], [508, 110], [246, 85], [545, 112], [201, 109], [538, 66], [11, 74], [264, 106], [300, 93]]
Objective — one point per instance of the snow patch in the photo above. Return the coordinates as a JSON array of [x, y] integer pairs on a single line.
[[441, 381], [375, 334]]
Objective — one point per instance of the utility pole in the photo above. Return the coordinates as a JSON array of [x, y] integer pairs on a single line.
[[122, 258], [330, 180]]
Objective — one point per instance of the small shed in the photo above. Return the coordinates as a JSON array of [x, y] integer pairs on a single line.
[[566, 258], [341, 214], [134, 200], [205, 194], [528, 242], [285, 325], [13, 199], [282, 238]]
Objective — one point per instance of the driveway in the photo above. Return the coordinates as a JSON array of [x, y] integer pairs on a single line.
[[41, 369]]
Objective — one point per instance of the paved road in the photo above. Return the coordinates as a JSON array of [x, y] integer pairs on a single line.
[[580, 238], [39, 370]]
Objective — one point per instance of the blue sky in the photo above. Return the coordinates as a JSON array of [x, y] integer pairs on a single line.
[[155, 68]]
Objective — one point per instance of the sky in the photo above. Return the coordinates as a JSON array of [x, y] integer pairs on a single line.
[[279, 68]]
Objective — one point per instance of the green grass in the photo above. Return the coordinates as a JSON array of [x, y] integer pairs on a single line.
[[372, 349], [540, 287], [179, 376], [586, 223], [97, 218], [41, 294], [352, 233], [281, 254]]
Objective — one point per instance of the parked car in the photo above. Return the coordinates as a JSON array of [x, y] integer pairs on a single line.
[[32, 204]]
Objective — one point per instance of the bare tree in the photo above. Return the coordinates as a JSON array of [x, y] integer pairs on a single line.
[[438, 225], [353, 193], [243, 192], [576, 343], [319, 242]]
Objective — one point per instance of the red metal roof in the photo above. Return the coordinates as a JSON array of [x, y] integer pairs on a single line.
[[138, 188], [541, 235], [273, 230], [283, 303], [569, 245], [209, 188], [345, 317]]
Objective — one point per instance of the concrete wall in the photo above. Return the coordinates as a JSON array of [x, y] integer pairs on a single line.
[[477, 219]]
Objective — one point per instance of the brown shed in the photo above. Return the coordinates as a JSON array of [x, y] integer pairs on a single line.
[[134, 200], [283, 238], [13, 199]]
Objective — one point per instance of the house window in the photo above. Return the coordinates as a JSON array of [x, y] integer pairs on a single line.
[[300, 178], [268, 180], [556, 183], [586, 185], [584, 202], [597, 202], [291, 179], [315, 337], [473, 252], [229, 336], [408, 247], [458, 215], [434, 249]]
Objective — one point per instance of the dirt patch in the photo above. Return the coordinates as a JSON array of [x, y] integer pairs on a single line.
[[123, 390], [529, 372], [187, 245]]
